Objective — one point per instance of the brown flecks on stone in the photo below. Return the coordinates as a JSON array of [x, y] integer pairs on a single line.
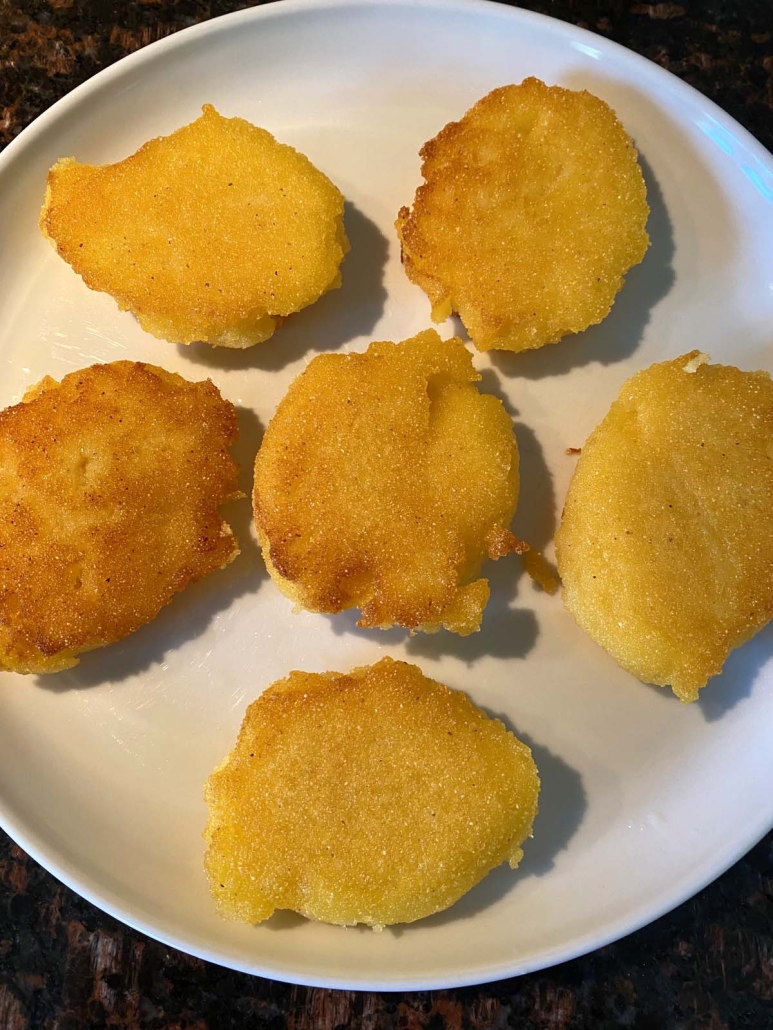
[[13, 873], [661, 12], [12, 1015]]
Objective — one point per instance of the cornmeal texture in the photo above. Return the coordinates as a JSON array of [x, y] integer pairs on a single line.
[[110, 484], [214, 233], [377, 797], [383, 481], [532, 211], [666, 543]]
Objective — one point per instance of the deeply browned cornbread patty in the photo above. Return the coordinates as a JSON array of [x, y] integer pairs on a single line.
[[215, 233], [377, 797], [383, 481], [110, 485], [532, 210], [666, 542]]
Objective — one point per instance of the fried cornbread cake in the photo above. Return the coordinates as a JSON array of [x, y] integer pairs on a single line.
[[376, 797], [383, 481], [665, 547], [214, 233], [533, 209], [110, 487]]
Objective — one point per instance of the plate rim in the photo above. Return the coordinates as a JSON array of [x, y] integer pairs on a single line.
[[31, 839], [276, 10], [642, 916]]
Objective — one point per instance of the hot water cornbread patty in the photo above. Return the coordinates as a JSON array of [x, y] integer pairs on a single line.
[[377, 797], [215, 233], [666, 542], [532, 211], [383, 481], [110, 485]]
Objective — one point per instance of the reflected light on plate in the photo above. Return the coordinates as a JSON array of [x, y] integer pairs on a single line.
[[758, 175], [590, 51], [723, 139], [761, 180]]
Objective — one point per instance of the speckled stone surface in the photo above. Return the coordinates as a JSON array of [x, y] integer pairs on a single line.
[[722, 47], [707, 966]]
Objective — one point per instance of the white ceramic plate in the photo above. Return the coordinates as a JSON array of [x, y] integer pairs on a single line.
[[644, 800]]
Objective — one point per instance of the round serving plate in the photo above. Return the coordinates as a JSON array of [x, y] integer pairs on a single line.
[[644, 800]]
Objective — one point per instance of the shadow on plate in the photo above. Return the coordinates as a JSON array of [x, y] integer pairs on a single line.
[[734, 684], [562, 806], [346, 622], [505, 632], [187, 616], [688, 172], [621, 332], [284, 919], [336, 318], [536, 515]]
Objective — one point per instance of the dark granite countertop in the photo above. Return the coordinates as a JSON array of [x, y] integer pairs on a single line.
[[708, 965]]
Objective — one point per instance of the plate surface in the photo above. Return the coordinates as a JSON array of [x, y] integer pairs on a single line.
[[644, 800]]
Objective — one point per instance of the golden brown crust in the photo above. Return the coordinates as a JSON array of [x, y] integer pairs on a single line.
[[110, 484], [215, 233], [665, 547], [533, 209], [500, 541], [540, 571], [376, 797], [383, 481]]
